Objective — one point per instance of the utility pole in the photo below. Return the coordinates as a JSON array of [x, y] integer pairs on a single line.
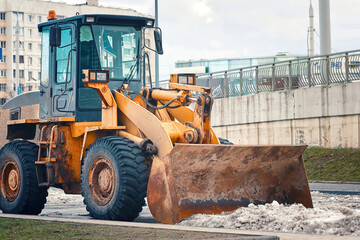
[[156, 54], [325, 33], [325, 36]]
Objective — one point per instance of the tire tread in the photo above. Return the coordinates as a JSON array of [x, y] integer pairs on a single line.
[[133, 180], [33, 197]]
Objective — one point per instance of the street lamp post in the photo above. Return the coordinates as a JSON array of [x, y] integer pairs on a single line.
[[325, 30], [156, 54]]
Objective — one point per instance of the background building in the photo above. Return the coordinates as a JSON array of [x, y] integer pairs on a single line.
[[24, 72]]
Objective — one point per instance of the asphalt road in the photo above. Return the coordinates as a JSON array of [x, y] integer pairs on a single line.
[[61, 205], [348, 188]]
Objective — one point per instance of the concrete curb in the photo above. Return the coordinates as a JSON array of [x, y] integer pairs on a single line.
[[333, 187], [334, 182], [255, 234]]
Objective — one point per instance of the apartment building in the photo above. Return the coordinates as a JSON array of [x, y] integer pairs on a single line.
[[19, 36]]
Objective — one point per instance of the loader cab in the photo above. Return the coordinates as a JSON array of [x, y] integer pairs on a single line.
[[108, 42]]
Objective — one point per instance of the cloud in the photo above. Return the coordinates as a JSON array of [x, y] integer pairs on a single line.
[[204, 9], [250, 28], [195, 29]]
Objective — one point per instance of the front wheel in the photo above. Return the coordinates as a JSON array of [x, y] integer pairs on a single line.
[[114, 179], [20, 193]]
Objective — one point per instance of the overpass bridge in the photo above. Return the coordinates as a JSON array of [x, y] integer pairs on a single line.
[[343, 67], [313, 100]]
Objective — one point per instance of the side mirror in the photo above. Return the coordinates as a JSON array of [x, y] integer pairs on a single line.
[[158, 41], [55, 36]]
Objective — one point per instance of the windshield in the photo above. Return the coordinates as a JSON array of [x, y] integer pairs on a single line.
[[112, 48], [116, 48]]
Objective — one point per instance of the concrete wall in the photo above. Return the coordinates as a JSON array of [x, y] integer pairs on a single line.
[[318, 116]]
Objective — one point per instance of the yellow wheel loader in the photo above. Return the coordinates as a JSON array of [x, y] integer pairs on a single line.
[[98, 128]]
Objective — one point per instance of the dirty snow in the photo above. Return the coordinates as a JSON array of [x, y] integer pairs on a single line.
[[56, 196], [59, 204], [332, 214]]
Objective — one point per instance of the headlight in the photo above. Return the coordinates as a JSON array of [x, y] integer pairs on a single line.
[[183, 78], [90, 19], [95, 75]]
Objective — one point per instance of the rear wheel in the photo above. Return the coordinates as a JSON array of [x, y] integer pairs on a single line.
[[114, 179], [20, 192]]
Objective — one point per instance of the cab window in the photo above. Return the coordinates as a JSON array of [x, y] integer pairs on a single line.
[[45, 49], [62, 54]]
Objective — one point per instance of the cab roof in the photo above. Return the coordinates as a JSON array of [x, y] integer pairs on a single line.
[[104, 19]]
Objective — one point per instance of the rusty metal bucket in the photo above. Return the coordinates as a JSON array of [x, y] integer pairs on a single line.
[[212, 178]]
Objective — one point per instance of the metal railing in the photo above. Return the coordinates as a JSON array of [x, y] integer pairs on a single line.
[[340, 67]]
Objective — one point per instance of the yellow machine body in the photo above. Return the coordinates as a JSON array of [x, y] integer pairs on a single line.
[[190, 172], [150, 142]]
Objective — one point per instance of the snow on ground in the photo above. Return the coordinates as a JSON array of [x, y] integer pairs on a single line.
[[332, 214], [59, 204], [57, 196]]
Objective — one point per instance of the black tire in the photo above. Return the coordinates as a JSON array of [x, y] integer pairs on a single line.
[[119, 199], [20, 193], [225, 141]]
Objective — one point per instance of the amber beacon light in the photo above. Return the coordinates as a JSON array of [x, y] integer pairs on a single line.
[[52, 15]]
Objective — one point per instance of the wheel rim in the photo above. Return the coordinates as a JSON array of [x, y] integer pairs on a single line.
[[10, 180], [102, 181]]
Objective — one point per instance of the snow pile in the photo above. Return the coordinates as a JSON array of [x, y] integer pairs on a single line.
[[332, 214], [59, 204], [56, 196]]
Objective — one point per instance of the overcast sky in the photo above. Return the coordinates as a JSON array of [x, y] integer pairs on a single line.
[[195, 29]]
